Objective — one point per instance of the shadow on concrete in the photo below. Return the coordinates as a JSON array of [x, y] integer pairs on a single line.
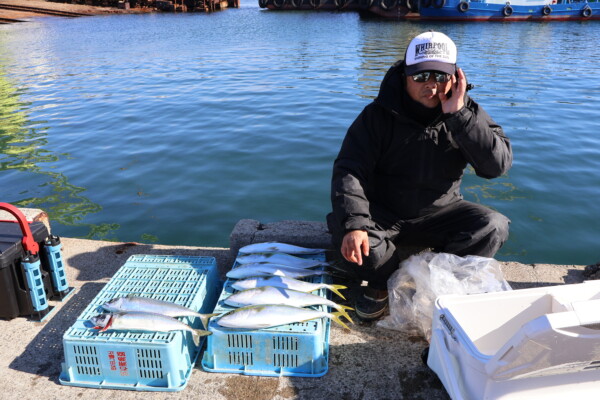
[[44, 354], [528, 285], [389, 367], [574, 276]]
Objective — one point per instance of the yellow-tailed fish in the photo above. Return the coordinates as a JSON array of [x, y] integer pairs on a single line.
[[287, 283], [280, 258], [270, 315], [265, 269], [274, 295], [145, 322], [145, 304], [276, 247]]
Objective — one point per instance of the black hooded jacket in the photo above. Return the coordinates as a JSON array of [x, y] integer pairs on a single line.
[[391, 164]]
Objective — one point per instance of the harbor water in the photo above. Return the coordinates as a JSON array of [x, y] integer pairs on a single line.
[[169, 128]]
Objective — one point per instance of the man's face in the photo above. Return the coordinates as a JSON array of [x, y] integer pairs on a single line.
[[426, 93]]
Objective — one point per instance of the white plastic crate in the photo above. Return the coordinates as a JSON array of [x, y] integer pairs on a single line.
[[152, 361], [541, 343]]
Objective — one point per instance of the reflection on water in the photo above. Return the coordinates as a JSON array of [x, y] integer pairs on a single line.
[[171, 128], [23, 146]]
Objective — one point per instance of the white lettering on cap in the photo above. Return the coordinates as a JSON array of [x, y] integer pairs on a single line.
[[432, 50]]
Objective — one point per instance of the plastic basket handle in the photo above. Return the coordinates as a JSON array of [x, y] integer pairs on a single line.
[[29, 244]]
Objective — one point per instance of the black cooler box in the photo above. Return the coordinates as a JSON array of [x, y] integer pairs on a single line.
[[15, 297]]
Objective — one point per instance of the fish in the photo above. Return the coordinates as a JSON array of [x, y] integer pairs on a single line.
[[266, 269], [145, 304], [270, 315], [276, 247], [287, 283], [146, 322], [280, 258], [273, 295]]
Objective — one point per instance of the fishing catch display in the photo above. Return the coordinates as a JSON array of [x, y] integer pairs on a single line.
[[273, 288], [272, 280]]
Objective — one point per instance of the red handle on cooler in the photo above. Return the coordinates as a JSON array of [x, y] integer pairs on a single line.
[[29, 244]]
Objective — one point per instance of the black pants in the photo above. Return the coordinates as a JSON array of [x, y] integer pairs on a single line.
[[462, 228]]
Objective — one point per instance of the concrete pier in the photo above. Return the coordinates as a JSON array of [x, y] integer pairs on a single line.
[[365, 363]]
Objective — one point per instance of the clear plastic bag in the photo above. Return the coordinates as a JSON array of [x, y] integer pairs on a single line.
[[423, 277]]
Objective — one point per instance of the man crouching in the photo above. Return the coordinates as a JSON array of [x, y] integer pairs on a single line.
[[397, 177]]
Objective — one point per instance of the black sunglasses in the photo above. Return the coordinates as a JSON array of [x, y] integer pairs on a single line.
[[440, 77]]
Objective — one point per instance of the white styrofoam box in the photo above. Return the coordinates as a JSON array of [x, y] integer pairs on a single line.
[[541, 343]]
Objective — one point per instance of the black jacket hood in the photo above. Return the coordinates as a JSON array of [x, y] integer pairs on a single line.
[[393, 89], [394, 98]]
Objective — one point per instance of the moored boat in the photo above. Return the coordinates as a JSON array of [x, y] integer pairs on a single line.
[[503, 10], [389, 9], [392, 9], [321, 5]]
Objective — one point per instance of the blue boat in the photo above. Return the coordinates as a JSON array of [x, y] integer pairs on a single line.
[[503, 10]]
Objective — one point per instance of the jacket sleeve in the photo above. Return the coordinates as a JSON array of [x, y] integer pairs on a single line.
[[352, 170], [481, 140]]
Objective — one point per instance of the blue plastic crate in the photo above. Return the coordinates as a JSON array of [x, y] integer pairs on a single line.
[[299, 349], [152, 361]]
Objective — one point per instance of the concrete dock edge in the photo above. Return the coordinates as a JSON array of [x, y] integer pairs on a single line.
[[366, 362]]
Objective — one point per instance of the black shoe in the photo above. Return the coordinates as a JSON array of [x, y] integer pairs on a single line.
[[371, 304]]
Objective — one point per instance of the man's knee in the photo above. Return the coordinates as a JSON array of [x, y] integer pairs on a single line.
[[380, 251], [492, 235], [375, 259], [497, 225], [483, 235]]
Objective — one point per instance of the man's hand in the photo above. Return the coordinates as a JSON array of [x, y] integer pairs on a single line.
[[354, 245], [459, 88]]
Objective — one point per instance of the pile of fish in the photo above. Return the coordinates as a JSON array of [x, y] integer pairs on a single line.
[[134, 313], [271, 292]]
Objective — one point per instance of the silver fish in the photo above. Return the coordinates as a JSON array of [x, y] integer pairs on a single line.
[[267, 316], [280, 258], [145, 304], [266, 269], [146, 322], [276, 247], [285, 282], [273, 295]]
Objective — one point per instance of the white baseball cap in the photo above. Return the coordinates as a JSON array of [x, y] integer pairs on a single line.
[[431, 51]]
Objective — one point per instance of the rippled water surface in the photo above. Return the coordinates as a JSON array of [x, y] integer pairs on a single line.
[[171, 128]]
